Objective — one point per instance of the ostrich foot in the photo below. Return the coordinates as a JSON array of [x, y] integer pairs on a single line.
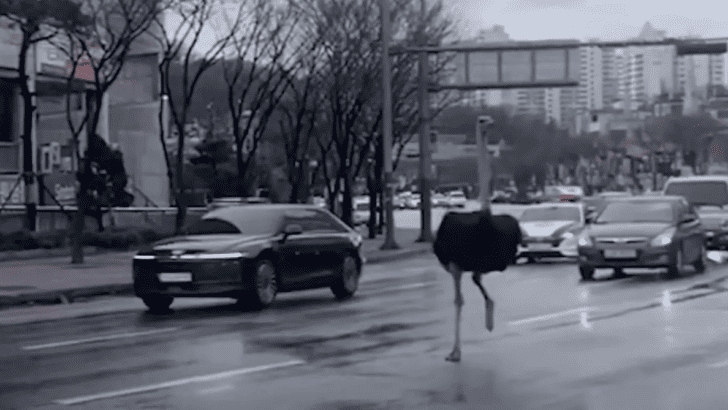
[[454, 356]]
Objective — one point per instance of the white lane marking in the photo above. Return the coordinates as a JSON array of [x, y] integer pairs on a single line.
[[551, 316], [403, 287], [99, 339], [718, 365], [216, 389], [177, 383]]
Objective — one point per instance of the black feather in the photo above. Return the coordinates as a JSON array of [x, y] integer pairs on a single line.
[[477, 241]]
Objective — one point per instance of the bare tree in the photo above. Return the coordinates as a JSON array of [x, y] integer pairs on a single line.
[[38, 21], [301, 111], [350, 32], [436, 27], [180, 46], [103, 47], [257, 72]]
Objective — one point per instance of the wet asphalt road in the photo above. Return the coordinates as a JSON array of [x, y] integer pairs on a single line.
[[640, 342]]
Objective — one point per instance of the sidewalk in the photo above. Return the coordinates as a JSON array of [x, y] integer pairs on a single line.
[[55, 280]]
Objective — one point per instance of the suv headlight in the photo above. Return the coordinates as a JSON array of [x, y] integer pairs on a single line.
[[567, 235], [584, 240], [664, 238]]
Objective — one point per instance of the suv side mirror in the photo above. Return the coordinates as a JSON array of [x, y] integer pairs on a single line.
[[292, 229]]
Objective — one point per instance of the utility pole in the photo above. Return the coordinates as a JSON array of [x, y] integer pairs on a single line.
[[389, 241], [481, 139], [425, 149], [29, 144]]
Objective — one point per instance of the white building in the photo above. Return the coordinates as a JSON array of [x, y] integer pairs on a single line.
[[650, 71], [591, 79]]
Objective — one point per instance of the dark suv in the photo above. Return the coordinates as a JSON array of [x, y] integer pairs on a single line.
[[709, 195]]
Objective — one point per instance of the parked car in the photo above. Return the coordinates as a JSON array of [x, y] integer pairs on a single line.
[[361, 211], [217, 203], [399, 201], [439, 200], [550, 230], [643, 232], [413, 201], [320, 201], [251, 253], [709, 195], [456, 199]]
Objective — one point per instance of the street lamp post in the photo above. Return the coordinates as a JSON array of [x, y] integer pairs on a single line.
[[389, 241], [481, 139]]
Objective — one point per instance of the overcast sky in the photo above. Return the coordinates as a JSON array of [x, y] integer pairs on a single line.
[[583, 19]]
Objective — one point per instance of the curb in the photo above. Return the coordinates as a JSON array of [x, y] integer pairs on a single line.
[[67, 296], [11, 256]]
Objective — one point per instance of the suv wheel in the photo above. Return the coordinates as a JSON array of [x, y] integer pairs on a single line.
[[586, 272], [701, 263]]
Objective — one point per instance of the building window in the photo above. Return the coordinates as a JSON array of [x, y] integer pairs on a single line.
[[7, 111]]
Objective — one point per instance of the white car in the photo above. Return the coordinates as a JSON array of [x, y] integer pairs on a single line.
[[456, 199], [361, 210], [551, 230], [439, 200], [413, 201]]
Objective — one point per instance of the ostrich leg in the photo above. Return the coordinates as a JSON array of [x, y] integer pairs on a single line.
[[489, 305], [457, 274]]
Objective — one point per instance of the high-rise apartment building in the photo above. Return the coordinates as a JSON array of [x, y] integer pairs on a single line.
[[591, 79], [649, 71], [708, 71]]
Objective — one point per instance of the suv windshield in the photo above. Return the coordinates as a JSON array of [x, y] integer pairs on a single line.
[[700, 192], [636, 212], [551, 214]]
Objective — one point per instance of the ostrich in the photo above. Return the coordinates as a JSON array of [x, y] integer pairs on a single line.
[[476, 242]]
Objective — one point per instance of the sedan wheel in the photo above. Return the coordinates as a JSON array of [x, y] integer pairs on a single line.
[[586, 272], [701, 263], [674, 270], [158, 303], [347, 281], [263, 286]]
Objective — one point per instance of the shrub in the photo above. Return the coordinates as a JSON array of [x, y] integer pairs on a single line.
[[51, 239], [112, 238]]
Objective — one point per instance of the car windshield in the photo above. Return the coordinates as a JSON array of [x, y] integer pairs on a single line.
[[363, 206], [457, 194], [636, 212], [551, 214], [700, 192], [237, 220]]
